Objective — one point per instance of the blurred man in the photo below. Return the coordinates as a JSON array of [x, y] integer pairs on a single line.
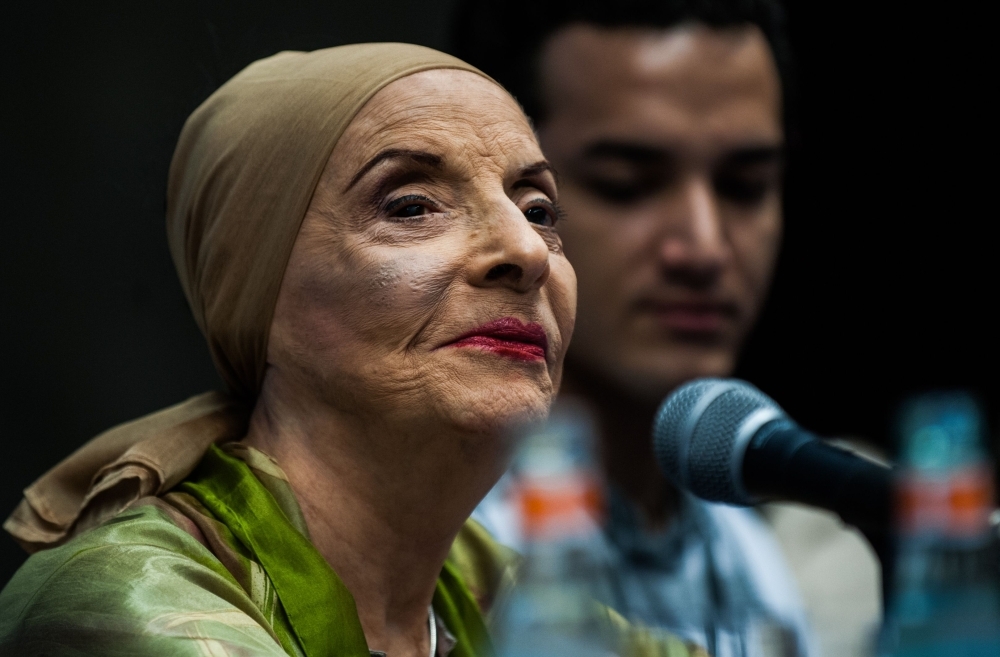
[[666, 122]]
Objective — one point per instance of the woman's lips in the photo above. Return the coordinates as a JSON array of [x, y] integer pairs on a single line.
[[508, 337]]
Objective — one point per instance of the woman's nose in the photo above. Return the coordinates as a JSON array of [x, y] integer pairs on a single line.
[[511, 252]]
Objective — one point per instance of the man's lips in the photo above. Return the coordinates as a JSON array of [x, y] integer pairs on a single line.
[[691, 316], [508, 337]]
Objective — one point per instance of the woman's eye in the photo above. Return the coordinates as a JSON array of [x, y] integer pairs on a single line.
[[541, 216], [408, 206], [411, 210]]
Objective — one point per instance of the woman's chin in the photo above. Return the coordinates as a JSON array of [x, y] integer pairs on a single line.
[[500, 408]]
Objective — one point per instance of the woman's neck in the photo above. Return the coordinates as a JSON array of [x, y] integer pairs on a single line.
[[382, 506]]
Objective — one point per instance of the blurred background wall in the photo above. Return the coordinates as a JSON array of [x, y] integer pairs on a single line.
[[885, 285]]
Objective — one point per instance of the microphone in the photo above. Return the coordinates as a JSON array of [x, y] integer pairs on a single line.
[[725, 441]]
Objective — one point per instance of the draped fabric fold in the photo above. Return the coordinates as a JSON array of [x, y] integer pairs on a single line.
[[246, 165], [140, 458]]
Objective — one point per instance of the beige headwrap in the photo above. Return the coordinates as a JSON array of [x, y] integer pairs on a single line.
[[245, 169]]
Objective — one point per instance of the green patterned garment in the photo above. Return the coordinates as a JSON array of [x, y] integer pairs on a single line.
[[222, 566]]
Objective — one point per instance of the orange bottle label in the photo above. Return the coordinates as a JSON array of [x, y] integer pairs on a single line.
[[564, 505], [957, 503]]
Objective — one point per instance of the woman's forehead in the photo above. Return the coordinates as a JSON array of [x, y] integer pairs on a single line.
[[451, 112]]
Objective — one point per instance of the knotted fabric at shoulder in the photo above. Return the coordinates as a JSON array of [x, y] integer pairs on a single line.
[[144, 457]]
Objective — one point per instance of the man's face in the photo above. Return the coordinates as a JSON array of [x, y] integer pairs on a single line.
[[669, 146]]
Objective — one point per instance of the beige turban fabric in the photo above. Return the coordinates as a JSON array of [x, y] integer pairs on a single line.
[[244, 172]]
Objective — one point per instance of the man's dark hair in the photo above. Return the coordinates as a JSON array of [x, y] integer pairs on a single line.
[[506, 42]]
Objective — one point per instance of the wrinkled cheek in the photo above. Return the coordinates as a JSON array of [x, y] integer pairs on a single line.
[[351, 322], [397, 296], [359, 307], [409, 281], [316, 321]]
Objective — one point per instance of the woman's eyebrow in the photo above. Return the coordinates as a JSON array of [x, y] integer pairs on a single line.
[[532, 172], [423, 157], [538, 167]]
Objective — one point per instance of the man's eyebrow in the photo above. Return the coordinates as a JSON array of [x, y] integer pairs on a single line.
[[623, 150], [423, 157], [646, 154], [749, 155]]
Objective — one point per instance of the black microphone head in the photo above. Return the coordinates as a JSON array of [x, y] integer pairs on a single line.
[[701, 433]]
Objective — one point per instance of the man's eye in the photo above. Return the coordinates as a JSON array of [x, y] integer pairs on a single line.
[[622, 193], [746, 191], [540, 216]]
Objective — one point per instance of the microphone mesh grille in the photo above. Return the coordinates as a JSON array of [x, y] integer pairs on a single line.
[[670, 423], [713, 442], [707, 471]]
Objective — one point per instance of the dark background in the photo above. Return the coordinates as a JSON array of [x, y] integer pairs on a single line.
[[883, 288]]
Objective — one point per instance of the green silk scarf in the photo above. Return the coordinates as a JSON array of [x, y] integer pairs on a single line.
[[320, 609]]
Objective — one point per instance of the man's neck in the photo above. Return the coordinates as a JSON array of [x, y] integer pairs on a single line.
[[626, 447]]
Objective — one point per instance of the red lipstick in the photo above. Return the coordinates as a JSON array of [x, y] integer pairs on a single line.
[[507, 337]]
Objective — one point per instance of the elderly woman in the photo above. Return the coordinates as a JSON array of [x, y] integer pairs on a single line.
[[367, 238]]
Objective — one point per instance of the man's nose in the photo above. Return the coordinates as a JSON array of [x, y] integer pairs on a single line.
[[694, 249], [510, 252]]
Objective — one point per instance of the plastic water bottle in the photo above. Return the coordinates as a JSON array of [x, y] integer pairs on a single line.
[[553, 610], [946, 593]]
